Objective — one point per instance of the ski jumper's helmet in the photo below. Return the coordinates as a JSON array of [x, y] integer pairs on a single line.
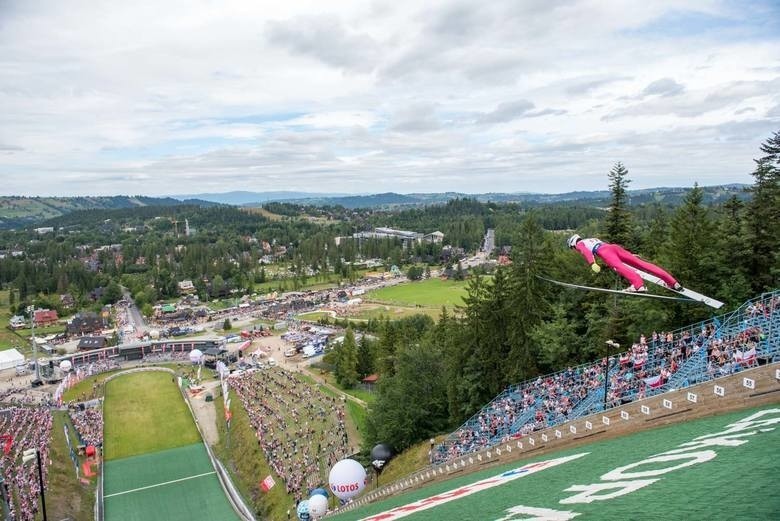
[[572, 242]]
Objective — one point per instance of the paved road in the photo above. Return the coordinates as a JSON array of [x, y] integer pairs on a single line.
[[134, 314]]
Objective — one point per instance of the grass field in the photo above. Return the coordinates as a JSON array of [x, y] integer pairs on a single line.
[[145, 413], [287, 284], [84, 389], [66, 496], [360, 394], [427, 293], [265, 213], [8, 338], [730, 482], [314, 315], [396, 312]]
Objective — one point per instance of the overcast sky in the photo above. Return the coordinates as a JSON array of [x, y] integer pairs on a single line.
[[167, 97]]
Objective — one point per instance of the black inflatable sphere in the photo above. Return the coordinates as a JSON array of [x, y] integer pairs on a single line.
[[380, 455]]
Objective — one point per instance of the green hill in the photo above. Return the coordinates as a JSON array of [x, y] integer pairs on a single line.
[[18, 212]]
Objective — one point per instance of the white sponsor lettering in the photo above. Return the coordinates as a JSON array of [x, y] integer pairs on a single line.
[[722, 441], [524, 513], [590, 493], [693, 459], [751, 422], [688, 453]]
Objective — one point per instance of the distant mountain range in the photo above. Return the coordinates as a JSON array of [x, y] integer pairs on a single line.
[[247, 198], [665, 195], [17, 212]]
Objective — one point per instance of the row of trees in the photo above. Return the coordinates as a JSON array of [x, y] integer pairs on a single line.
[[516, 326]]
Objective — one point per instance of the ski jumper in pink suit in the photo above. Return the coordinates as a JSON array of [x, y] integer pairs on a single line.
[[621, 260]]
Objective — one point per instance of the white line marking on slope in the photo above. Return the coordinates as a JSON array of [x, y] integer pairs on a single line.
[[159, 484]]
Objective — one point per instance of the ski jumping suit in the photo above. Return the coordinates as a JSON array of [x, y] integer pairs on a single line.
[[621, 260]]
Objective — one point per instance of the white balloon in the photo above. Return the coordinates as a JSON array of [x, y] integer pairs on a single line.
[[195, 356], [66, 366], [318, 505], [347, 478]]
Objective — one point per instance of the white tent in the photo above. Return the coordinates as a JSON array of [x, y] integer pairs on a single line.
[[10, 358]]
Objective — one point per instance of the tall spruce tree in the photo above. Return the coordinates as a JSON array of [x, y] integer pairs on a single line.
[[763, 217], [365, 357], [385, 356], [528, 303], [692, 255], [346, 361], [468, 387], [617, 225], [557, 340], [734, 252]]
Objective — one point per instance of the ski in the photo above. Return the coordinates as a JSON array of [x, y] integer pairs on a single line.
[[615, 291], [698, 297]]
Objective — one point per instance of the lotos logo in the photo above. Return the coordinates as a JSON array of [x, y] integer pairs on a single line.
[[345, 487]]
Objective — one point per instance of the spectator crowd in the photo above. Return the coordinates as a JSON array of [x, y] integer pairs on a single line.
[[89, 425], [643, 370], [28, 428], [301, 431]]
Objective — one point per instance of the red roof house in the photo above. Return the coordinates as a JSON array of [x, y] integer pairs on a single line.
[[46, 317]]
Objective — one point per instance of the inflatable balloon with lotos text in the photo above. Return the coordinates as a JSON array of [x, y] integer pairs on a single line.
[[347, 479]]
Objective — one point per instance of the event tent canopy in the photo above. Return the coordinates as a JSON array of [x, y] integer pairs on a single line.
[[10, 358]]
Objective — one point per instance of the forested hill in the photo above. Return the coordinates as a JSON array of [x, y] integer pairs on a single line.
[[17, 212], [667, 196]]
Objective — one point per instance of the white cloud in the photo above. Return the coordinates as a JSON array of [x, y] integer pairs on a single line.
[[664, 87], [119, 97]]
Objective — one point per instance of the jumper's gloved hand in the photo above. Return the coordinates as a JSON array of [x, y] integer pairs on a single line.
[[595, 267]]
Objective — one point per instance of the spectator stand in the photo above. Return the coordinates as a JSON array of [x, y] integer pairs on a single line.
[[668, 361], [751, 327]]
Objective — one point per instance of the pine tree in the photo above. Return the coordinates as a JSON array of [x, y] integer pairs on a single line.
[[656, 234], [763, 217], [771, 149], [528, 297], [557, 339], [412, 404], [467, 388], [735, 253], [346, 362], [385, 357], [365, 357], [617, 225], [692, 258]]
